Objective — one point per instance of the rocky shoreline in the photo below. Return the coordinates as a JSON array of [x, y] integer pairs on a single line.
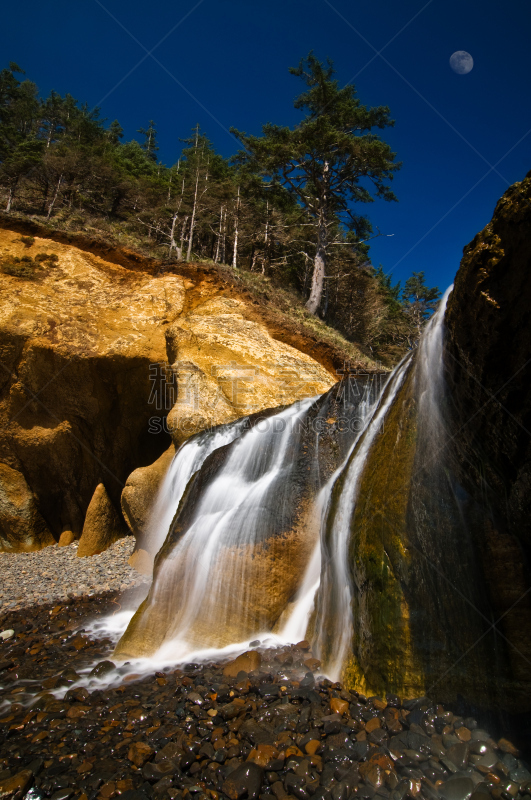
[[264, 726], [56, 574]]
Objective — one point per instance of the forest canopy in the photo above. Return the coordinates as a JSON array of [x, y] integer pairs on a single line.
[[285, 206]]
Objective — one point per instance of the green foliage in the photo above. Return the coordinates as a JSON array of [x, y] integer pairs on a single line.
[[328, 162], [51, 259], [419, 300], [27, 241], [23, 267], [262, 211]]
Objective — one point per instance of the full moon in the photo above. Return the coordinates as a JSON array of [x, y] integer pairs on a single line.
[[461, 62]]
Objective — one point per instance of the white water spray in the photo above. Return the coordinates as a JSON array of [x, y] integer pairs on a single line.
[[187, 460], [202, 587]]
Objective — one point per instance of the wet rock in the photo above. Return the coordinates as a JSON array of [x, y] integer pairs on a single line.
[[245, 781], [339, 706], [247, 662], [372, 773], [456, 789], [331, 723], [102, 669], [17, 784], [139, 753], [263, 755], [457, 754], [156, 771], [507, 747]]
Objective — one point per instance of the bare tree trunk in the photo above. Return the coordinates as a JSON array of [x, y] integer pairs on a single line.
[[224, 237], [50, 209], [183, 229], [218, 246], [266, 240], [169, 191], [319, 266], [10, 198], [236, 221], [192, 221], [173, 244]]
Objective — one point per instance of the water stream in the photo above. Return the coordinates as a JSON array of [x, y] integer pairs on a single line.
[[187, 460]]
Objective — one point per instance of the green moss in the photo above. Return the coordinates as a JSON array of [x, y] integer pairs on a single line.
[[382, 646], [51, 259], [27, 241], [19, 267]]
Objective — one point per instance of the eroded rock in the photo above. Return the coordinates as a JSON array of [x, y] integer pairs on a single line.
[[103, 526], [21, 525]]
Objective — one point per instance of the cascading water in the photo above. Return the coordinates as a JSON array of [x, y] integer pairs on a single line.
[[328, 573], [188, 459], [245, 554], [202, 593], [296, 624], [334, 609]]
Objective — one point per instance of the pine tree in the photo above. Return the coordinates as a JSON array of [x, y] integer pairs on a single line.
[[20, 150], [419, 301], [327, 160], [150, 146]]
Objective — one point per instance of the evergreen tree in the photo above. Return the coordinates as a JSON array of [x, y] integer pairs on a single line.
[[149, 145], [115, 132], [20, 150], [326, 160], [419, 301]]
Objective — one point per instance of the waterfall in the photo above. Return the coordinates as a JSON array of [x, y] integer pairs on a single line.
[[296, 624], [202, 589], [328, 572], [334, 612], [259, 544], [187, 460]]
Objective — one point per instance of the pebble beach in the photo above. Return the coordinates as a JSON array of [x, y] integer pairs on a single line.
[[56, 574], [76, 725]]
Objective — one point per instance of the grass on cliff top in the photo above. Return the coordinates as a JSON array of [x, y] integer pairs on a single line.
[[283, 304], [287, 305]]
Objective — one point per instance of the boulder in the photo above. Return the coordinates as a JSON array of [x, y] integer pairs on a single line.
[[227, 366], [66, 538], [22, 527], [142, 561], [103, 525], [247, 662], [139, 495]]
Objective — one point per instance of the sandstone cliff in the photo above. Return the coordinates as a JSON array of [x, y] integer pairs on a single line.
[[94, 353]]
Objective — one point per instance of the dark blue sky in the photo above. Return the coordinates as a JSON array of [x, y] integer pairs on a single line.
[[462, 138]]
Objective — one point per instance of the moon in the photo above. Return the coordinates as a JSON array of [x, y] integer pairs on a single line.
[[461, 62]]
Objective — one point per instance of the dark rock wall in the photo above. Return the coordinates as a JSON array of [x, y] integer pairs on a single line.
[[488, 372]]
